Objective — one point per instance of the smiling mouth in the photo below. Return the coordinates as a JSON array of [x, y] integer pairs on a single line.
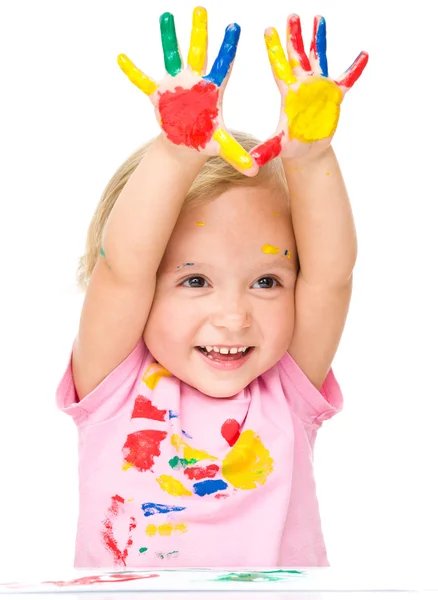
[[224, 355]]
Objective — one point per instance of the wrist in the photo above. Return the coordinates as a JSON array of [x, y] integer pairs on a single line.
[[315, 156], [182, 155]]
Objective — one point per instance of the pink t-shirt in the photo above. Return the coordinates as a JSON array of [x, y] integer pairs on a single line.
[[171, 477]]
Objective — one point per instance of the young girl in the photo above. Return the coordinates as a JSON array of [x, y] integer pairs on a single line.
[[216, 294]]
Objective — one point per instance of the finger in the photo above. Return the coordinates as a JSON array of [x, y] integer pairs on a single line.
[[268, 150], [197, 58], [352, 74], [172, 57], [280, 66], [295, 47], [138, 78], [318, 47], [224, 61], [233, 153]]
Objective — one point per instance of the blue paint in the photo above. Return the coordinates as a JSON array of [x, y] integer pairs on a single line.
[[209, 486], [227, 53], [186, 434], [321, 46], [173, 414], [151, 508]]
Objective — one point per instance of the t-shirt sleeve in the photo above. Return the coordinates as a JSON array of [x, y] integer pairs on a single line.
[[104, 401], [311, 405]]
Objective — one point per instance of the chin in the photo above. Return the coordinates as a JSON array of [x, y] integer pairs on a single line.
[[215, 390]]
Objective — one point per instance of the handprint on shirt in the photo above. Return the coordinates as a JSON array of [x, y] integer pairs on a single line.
[[310, 100], [187, 102]]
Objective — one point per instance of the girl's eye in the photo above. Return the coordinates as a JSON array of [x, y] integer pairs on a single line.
[[266, 283], [195, 282]]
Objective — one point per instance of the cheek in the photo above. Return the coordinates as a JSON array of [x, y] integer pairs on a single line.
[[171, 319]]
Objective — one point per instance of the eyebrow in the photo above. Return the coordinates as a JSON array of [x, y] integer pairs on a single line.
[[279, 262]]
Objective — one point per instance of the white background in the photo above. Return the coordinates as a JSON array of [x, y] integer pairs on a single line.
[[70, 117]]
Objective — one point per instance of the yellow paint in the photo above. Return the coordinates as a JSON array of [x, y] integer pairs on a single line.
[[189, 452], [328, 173], [153, 374], [268, 249], [313, 110], [276, 214], [142, 81], [277, 58], [130, 499], [198, 41], [248, 463], [232, 151], [288, 254], [200, 223], [127, 466], [172, 486], [166, 529]]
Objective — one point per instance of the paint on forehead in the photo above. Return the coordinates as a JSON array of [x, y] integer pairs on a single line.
[[187, 264], [268, 249], [328, 173], [200, 223], [276, 214]]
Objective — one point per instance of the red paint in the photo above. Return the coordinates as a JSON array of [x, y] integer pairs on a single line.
[[201, 472], [119, 556], [90, 580], [188, 117], [268, 150], [221, 495], [296, 39], [313, 42], [355, 71], [230, 430], [141, 447], [144, 409]]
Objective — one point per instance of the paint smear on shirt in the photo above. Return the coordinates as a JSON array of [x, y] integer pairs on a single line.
[[141, 448], [116, 508], [153, 374], [268, 249], [248, 463], [144, 409], [230, 431], [189, 452], [166, 529], [163, 555], [181, 463], [151, 508], [209, 486], [172, 486], [201, 472]]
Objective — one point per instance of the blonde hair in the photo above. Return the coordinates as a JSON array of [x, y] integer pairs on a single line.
[[215, 178]]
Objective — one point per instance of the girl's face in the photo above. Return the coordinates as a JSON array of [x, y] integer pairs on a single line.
[[220, 285]]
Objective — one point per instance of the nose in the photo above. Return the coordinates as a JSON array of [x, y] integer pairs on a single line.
[[232, 314]]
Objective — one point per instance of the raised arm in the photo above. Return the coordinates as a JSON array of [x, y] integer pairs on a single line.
[[321, 212], [122, 285]]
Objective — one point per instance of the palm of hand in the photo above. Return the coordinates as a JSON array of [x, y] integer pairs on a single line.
[[187, 102], [310, 99]]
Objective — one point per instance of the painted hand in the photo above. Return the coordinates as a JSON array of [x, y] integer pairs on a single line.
[[310, 100], [187, 102]]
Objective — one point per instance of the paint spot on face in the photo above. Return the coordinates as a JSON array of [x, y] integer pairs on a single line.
[[172, 486], [188, 117], [230, 431], [276, 214], [186, 265], [117, 508], [248, 463], [151, 508], [166, 529], [268, 249], [313, 110], [200, 223], [144, 409], [153, 374], [207, 487], [201, 472], [189, 452], [181, 463], [328, 173], [141, 448]]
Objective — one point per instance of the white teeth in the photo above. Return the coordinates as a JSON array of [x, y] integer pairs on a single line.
[[209, 348], [233, 351], [215, 348], [223, 350]]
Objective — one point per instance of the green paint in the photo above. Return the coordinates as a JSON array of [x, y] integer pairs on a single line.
[[173, 552], [102, 253], [279, 575], [142, 550], [181, 463], [172, 59]]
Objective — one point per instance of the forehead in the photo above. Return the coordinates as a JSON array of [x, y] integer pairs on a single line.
[[239, 221]]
